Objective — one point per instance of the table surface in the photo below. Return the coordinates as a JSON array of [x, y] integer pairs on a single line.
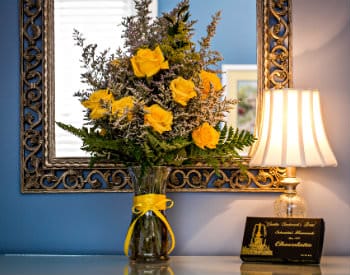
[[177, 265]]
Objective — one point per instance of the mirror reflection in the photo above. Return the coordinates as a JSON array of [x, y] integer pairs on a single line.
[[43, 172], [235, 39]]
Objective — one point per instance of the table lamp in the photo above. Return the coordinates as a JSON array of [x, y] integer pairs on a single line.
[[291, 135]]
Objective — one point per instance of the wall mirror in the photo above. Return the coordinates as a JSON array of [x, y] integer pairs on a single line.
[[45, 171]]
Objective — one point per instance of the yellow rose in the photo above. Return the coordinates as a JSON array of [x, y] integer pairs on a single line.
[[158, 118], [97, 103], [123, 106], [182, 90], [209, 80], [205, 136], [147, 63]]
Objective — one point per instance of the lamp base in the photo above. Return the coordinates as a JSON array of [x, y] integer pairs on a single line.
[[289, 204]]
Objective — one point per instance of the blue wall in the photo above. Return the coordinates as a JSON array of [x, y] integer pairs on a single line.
[[68, 223]]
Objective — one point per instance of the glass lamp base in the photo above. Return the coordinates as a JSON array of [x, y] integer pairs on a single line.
[[290, 205]]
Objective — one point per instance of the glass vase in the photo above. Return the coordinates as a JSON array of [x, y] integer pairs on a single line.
[[147, 240], [162, 268]]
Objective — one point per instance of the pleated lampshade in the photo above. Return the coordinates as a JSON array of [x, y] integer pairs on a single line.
[[292, 132]]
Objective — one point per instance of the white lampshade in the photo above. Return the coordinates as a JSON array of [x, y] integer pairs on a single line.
[[292, 132]]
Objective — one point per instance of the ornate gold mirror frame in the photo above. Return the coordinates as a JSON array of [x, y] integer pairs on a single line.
[[42, 172]]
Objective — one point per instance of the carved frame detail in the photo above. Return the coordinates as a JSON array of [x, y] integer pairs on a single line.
[[41, 172]]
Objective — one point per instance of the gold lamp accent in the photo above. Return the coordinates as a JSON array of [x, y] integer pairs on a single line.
[[292, 135]]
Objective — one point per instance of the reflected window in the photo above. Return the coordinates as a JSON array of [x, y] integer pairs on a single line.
[[100, 23]]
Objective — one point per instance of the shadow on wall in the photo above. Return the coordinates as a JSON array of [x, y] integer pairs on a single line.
[[325, 64], [312, 15]]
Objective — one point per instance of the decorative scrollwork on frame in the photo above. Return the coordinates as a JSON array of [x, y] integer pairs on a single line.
[[42, 172], [225, 180], [277, 44]]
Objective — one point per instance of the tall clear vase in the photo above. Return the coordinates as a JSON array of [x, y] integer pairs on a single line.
[[148, 239]]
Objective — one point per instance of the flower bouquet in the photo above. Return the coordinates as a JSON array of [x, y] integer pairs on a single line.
[[159, 101]]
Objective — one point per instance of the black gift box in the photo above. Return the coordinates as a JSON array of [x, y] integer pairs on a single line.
[[292, 240]]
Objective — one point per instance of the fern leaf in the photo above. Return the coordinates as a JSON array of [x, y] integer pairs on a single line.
[[81, 133]]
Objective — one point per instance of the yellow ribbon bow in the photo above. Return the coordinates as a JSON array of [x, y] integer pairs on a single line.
[[154, 203]]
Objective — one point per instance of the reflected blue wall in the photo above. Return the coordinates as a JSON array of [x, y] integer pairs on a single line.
[[235, 38]]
